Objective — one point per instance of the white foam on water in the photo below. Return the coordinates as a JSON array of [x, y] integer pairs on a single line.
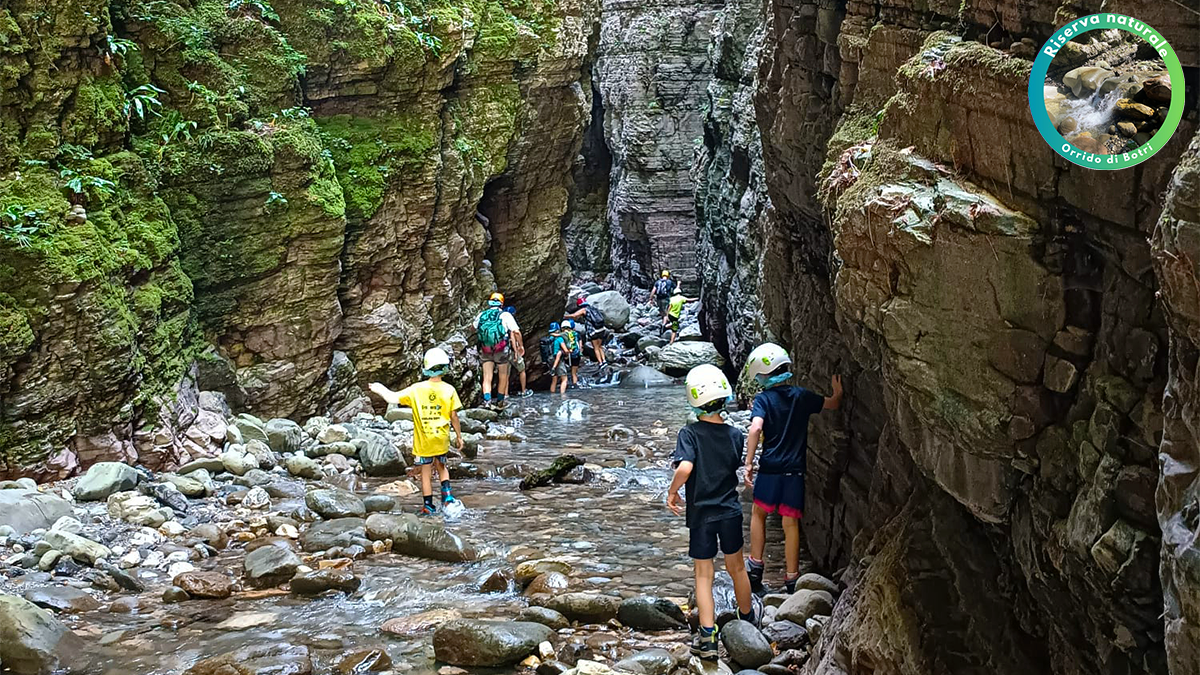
[[1091, 113]]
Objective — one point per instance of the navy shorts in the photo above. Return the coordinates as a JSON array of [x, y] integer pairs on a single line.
[[703, 538], [783, 492]]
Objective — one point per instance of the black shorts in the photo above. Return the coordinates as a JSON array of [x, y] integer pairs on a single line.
[[576, 360], [702, 539], [783, 492]]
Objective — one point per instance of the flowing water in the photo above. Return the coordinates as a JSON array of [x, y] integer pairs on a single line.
[[615, 531], [1094, 113]]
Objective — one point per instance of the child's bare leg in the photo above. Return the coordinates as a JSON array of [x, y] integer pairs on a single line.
[[487, 378], [426, 475], [758, 532], [503, 390], [735, 564], [563, 386], [704, 595], [791, 545], [443, 472]]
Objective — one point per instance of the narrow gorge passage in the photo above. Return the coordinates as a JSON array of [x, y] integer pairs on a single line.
[[222, 221]]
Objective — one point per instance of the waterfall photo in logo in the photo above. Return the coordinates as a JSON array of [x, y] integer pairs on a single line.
[[1106, 91]]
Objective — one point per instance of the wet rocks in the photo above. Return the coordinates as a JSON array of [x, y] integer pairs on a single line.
[[786, 635], [302, 466], [581, 607], [557, 469], [1158, 88], [32, 641], [418, 624], [237, 461], [205, 584], [418, 538], [62, 599], [497, 581], [815, 582], [335, 503], [545, 616], [26, 510], [548, 582], [805, 604], [379, 456], [650, 613], [138, 509], [268, 659], [210, 534], [377, 503], [1132, 110], [1085, 79], [678, 358], [103, 479], [284, 436], [341, 532], [270, 565], [531, 569], [82, 549], [644, 376], [320, 581], [364, 661], [650, 662], [745, 644], [467, 642]]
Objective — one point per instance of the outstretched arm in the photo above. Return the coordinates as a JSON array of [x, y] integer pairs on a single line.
[[681, 475], [457, 428], [384, 393], [834, 401]]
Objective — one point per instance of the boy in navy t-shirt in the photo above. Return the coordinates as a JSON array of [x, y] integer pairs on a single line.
[[780, 418]]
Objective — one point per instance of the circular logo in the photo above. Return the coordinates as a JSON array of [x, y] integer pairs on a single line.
[[1147, 131]]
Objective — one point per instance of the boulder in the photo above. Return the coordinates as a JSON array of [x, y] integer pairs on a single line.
[[138, 509], [32, 641], [489, 644], [651, 662], [745, 644], [335, 503], [815, 582], [284, 436], [379, 456], [1085, 79], [677, 359], [303, 467], [646, 342], [420, 623], [327, 534], [62, 599], [270, 565], [265, 659], [267, 459], [786, 635], [210, 464], [364, 661], [103, 479], [803, 605], [581, 607], [646, 612], [532, 569], [496, 581], [560, 467], [81, 549], [205, 584], [396, 414], [645, 376], [548, 582], [418, 538], [545, 616], [192, 485], [334, 433], [251, 428], [319, 581], [377, 503], [210, 534], [237, 461], [27, 510], [613, 306]]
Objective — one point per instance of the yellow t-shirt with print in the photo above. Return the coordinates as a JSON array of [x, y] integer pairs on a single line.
[[431, 403]]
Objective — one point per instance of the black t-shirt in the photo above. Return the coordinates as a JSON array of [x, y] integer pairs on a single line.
[[715, 451], [785, 411]]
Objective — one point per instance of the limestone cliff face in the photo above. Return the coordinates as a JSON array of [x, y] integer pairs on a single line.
[[320, 191], [995, 312], [651, 71]]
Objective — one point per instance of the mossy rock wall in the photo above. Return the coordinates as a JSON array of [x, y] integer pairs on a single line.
[[281, 181]]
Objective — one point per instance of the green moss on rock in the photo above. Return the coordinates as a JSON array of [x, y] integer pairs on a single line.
[[368, 152]]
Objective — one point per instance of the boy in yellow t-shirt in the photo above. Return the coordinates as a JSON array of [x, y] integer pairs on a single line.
[[435, 407]]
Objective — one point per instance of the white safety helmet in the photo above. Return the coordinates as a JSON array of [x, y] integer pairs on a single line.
[[436, 358], [766, 359], [705, 384]]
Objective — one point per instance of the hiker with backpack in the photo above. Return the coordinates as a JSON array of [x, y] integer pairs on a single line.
[[661, 293], [593, 321], [494, 327], [575, 347], [557, 359]]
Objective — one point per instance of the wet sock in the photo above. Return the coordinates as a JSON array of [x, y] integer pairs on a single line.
[[446, 496], [487, 397], [429, 501], [499, 397], [749, 616], [707, 631]]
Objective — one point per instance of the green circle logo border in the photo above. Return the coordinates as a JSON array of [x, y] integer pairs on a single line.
[[1037, 80]]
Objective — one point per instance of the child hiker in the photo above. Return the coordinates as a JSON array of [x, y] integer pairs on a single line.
[[575, 347], [562, 359], [707, 456], [780, 418], [435, 407], [675, 312]]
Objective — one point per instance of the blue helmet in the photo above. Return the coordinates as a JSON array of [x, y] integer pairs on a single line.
[[571, 324], [554, 327], [511, 310]]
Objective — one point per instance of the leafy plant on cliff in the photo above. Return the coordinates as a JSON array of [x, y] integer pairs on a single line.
[[19, 224], [143, 101], [86, 185], [263, 8]]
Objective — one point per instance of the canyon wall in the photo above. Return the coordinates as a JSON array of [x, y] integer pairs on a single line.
[[651, 72], [320, 191], [994, 310]]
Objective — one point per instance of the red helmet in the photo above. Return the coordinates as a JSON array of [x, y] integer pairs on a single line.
[[580, 302]]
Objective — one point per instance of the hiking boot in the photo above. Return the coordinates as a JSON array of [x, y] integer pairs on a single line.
[[527, 392], [705, 647], [427, 510], [754, 570], [790, 584]]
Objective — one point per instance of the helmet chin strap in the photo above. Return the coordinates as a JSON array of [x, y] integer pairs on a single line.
[[768, 382]]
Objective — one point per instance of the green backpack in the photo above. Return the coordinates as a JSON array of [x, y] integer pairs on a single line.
[[491, 329]]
